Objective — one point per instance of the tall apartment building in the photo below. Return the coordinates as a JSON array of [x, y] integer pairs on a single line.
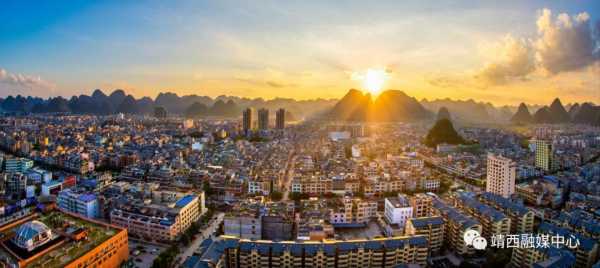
[[280, 119], [421, 204], [456, 224], [386, 252], [501, 175], [263, 119], [247, 120], [544, 154], [83, 203], [430, 227]]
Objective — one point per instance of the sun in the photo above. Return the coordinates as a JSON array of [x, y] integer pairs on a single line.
[[373, 79]]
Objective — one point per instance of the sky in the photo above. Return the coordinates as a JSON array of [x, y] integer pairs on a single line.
[[504, 52]]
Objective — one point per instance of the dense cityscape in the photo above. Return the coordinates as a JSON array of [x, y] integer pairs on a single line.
[[257, 190], [300, 134]]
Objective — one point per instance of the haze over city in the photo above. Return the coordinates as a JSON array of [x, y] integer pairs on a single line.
[[501, 52]]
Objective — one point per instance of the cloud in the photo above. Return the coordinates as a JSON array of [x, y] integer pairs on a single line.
[[566, 43], [562, 44], [14, 83], [515, 60]]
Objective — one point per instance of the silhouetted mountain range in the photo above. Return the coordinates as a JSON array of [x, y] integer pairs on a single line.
[[390, 105], [470, 111], [190, 105], [586, 113]]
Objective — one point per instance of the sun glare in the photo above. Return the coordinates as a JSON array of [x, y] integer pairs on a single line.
[[373, 79]]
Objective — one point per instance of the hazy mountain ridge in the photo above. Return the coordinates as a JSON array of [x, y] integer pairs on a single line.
[[389, 106], [119, 101], [556, 113]]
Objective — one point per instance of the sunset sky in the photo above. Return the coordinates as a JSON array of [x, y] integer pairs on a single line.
[[504, 53]]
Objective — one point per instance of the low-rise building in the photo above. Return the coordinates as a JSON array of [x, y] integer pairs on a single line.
[[79, 202], [158, 221], [493, 222], [62, 239], [430, 227], [456, 224]]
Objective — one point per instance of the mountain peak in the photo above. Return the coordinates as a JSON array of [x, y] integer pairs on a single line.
[[390, 105], [98, 94], [443, 113], [522, 116]]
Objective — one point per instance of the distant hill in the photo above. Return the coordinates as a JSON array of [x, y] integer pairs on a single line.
[[120, 102], [443, 132], [586, 113], [543, 116], [470, 111], [558, 113], [443, 113], [389, 106], [354, 106], [522, 116]]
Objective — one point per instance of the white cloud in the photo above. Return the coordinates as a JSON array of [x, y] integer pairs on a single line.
[[566, 43], [14, 83], [563, 43], [514, 59]]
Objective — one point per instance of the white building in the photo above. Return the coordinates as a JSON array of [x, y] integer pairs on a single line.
[[501, 175], [398, 210]]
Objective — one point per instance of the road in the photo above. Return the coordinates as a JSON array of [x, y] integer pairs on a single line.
[[213, 225], [289, 175]]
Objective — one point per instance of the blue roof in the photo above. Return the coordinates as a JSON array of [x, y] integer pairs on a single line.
[[454, 214], [185, 200], [505, 203], [585, 242], [300, 248], [481, 208], [580, 220], [165, 222], [87, 197], [426, 221], [191, 261], [349, 225], [373, 245], [555, 258]]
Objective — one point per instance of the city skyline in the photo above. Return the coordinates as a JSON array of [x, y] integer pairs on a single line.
[[504, 53]]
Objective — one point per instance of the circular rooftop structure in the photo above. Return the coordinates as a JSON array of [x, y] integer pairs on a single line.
[[31, 235]]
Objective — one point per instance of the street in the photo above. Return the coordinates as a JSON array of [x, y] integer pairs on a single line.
[[289, 175], [213, 225]]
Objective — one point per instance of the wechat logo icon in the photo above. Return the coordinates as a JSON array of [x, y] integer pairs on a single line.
[[473, 238]]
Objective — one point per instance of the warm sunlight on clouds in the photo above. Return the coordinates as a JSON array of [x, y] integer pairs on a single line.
[[501, 52]]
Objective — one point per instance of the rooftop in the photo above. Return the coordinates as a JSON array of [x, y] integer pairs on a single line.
[[70, 250]]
